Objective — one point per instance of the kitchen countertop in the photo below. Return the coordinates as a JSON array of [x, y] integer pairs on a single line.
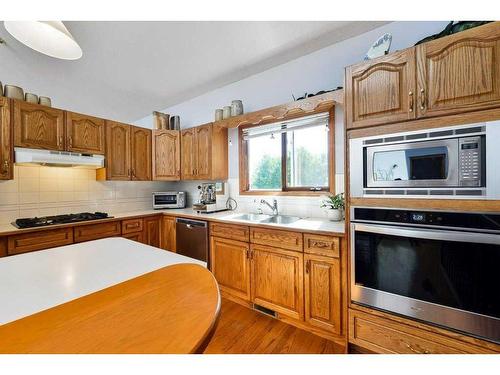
[[315, 225], [39, 280]]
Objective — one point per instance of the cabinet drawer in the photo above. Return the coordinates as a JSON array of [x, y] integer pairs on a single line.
[[132, 225], [96, 231], [22, 243], [276, 238], [234, 232], [384, 336], [322, 245]]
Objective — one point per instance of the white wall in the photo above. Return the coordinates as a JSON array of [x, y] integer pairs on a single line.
[[323, 69]]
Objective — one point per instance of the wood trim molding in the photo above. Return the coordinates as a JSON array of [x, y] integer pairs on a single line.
[[299, 108]]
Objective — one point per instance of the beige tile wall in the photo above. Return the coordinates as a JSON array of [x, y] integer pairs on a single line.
[[41, 191]]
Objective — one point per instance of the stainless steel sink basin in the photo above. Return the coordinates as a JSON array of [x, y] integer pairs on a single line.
[[281, 219], [252, 217]]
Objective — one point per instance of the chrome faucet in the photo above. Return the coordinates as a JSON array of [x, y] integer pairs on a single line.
[[274, 207]]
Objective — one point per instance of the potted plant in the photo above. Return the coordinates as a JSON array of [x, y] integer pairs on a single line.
[[335, 206]]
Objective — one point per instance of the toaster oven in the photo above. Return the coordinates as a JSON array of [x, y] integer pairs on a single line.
[[169, 199]]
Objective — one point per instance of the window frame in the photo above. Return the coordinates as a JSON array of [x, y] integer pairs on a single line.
[[297, 191]]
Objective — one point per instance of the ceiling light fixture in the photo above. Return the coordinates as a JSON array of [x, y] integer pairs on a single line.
[[51, 38]]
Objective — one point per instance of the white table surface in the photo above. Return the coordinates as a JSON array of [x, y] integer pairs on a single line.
[[36, 281]]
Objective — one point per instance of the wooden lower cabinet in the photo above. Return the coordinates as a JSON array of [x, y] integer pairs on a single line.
[[167, 237], [97, 231], [152, 231], [381, 335], [277, 280], [230, 265], [137, 236], [3, 246], [23, 243], [322, 292]]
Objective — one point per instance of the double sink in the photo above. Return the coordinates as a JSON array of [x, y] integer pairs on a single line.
[[267, 219]]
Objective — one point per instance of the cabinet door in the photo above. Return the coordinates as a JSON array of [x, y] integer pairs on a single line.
[[188, 154], [204, 152], [459, 73], [166, 155], [152, 231], [167, 237], [138, 236], [322, 292], [117, 151], [230, 265], [277, 280], [140, 153], [37, 126], [381, 91], [84, 133], [5, 141]]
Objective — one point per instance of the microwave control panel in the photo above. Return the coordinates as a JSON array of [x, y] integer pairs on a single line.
[[469, 160]]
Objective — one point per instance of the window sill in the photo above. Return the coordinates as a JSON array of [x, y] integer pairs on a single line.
[[287, 193]]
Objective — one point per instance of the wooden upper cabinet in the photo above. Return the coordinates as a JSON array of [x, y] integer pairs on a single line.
[[277, 280], [117, 151], [140, 148], [188, 154], [166, 155], [6, 169], [322, 292], [85, 134], [37, 126], [229, 262], [459, 73], [204, 152], [381, 91]]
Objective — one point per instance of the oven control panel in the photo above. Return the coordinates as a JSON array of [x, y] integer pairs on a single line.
[[469, 161]]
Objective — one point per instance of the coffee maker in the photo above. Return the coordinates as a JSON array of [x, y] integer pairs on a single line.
[[207, 202]]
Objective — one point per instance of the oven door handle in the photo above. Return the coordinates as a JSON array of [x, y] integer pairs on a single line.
[[428, 234]]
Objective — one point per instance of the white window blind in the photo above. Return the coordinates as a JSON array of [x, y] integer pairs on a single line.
[[286, 126]]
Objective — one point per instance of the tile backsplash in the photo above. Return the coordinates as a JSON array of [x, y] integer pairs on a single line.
[[41, 191]]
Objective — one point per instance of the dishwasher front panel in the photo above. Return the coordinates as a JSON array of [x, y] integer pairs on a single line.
[[192, 238]]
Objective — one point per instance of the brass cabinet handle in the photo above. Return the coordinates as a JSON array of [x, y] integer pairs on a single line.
[[425, 351], [60, 141], [410, 100], [308, 266], [5, 168], [320, 244], [422, 98], [70, 141]]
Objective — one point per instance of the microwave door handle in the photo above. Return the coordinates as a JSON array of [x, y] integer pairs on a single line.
[[429, 234]]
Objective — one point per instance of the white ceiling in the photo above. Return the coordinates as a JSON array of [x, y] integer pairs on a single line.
[[129, 69]]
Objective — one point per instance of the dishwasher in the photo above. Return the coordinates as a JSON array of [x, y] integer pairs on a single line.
[[192, 238]]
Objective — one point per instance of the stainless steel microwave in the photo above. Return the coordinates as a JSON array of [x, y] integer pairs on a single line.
[[434, 162], [169, 199]]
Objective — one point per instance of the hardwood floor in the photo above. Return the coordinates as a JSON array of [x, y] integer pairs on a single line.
[[244, 331]]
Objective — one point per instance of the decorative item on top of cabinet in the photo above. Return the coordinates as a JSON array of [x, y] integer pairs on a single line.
[[167, 237], [85, 134], [6, 169], [37, 126], [230, 264], [152, 230], [381, 90], [166, 155], [117, 152], [140, 148], [277, 280], [459, 73], [323, 304], [161, 120]]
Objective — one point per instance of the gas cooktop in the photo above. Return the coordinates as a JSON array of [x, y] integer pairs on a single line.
[[59, 219]]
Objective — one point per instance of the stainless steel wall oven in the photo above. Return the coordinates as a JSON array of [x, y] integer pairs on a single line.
[[438, 267]]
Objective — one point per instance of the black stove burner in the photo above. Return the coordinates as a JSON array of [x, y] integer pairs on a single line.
[[59, 219]]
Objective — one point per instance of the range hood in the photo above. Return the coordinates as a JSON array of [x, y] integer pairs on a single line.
[[30, 156]]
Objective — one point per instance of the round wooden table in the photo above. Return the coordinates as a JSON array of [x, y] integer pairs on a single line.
[[171, 310]]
